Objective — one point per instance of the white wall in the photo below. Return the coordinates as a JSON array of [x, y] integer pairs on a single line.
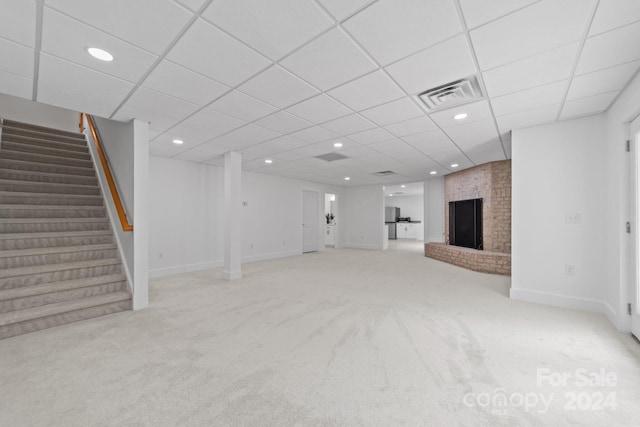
[[364, 216], [617, 241], [558, 171], [186, 208], [412, 206], [434, 210], [23, 110]]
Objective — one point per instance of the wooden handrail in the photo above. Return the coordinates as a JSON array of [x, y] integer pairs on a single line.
[[124, 222]]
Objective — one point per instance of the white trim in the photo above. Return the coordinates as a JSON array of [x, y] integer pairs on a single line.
[[188, 268], [272, 255], [556, 300], [362, 246], [612, 315]]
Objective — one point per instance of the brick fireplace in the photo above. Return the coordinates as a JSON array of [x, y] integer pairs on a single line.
[[492, 183]]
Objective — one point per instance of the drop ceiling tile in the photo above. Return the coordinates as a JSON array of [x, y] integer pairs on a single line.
[[329, 60], [179, 82], [607, 80], [396, 149], [313, 150], [195, 155], [411, 127], [371, 136], [478, 12], [241, 106], [226, 143], [274, 28], [283, 122], [342, 9], [394, 111], [19, 25], [490, 152], [158, 122], [16, 58], [254, 133], [121, 18], [159, 103], [530, 31], [588, 105], [349, 125], [356, 151], [158, 150], [473, 134], [476, 111], [64, 98], [278, 87], [538, 70], [528, 118], [609, 49], [528, 99], [390, 31], [440, 64], [65, 75], [12, 84], [319, 109], [368, 91], [283, 143], [209, 51], [449, 157], [191, 133], [219, 123], [68, 39], [314, 134], [430, 142], [613, 14]]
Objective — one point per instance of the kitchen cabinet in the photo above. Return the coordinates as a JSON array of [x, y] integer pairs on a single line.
[[329, 235], [409, 230]]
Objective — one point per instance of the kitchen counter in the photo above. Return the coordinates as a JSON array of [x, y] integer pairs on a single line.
[[409, 222]]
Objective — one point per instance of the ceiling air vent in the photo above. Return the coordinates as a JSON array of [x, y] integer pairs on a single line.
[[331, 157], [384, 173], [452, 94]]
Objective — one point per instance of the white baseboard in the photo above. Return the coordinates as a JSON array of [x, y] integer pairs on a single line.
[[612, 315], [362, 246], [564, 301], [272, 255], [179, 269]]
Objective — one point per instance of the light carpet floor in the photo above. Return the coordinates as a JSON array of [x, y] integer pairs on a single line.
[[337, 338]]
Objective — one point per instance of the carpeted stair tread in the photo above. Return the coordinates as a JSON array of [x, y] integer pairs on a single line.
[[60, 143], [49, 235], [47, 188], [47, 177], [26, 147], [61, 307], [29, 291], [32, 166], [56, 250], [46, 199], [45, 159], [40, 129], [39, 269], [50, 220]]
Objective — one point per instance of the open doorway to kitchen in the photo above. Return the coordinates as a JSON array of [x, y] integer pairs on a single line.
[[404, 216], [331, 220]]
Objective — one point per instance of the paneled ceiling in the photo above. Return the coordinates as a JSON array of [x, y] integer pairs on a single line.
[[286, 79]]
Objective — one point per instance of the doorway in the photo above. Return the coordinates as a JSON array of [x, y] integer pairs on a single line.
[[634, 292], [331, 220], [404, 216], [310, 221]]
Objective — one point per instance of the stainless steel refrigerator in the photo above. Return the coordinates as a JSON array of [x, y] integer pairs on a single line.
[[391, 215]]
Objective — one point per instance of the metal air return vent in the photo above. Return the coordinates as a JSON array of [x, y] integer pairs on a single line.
[[384, 173], [331, 157], [452, 94]]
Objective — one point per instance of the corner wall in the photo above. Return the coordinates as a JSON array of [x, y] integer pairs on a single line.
[[364, 209], [559, 214], [23, 110]]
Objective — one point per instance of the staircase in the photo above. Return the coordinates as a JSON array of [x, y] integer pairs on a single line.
[[58, 259]]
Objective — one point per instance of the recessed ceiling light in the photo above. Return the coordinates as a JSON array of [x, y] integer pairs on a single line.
[[347, 178], [454, 165], [460, 116], [337, 144], [390, 195], [433, 172], [268, 161], [178, 141], [100, 54], [403, 186]]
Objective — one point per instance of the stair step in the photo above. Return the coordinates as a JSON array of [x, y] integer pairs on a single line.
[[19, 258], [51, 211], [49, 178], [45, 159], [26, 165], [26, 147], [18, 198], [49, 293], [36, 275], [44, 225], [50, 315], [28, 127], [69, 143], [10, 242], [48, 188]]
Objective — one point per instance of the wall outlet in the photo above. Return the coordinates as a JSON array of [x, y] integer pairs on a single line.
[[573, 218], [160, 255], [284, 243], [569, 270], [245, 203], [251, 245]]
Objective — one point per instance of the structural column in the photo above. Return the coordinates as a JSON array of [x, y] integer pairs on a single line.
[[232, 215], [140, 214]]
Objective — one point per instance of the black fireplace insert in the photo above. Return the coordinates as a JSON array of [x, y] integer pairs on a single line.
[[465, 223]]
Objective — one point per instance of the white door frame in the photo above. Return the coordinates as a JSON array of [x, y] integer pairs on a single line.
[[634, 247]]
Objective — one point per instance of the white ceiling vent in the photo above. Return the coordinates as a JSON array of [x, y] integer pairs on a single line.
[[455, 93], [384, 173], [331, 157]]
